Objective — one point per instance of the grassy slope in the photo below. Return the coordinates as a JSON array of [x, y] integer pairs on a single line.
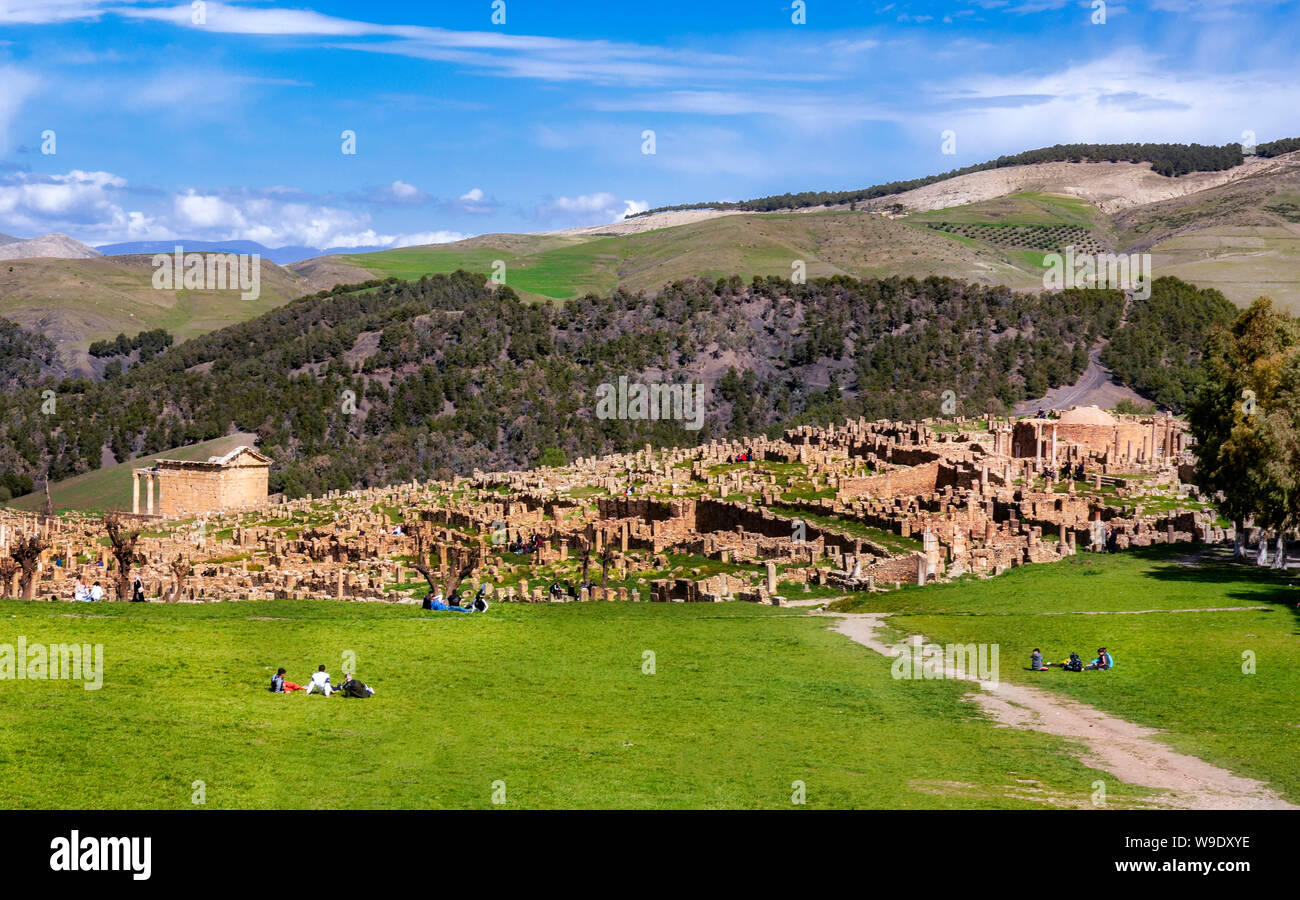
[[107, 295], [1179, 672], [549, 699], [1242, 238], [110, 487], [546, 267]]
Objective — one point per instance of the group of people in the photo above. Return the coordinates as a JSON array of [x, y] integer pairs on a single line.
[[95, 593], [83, 594], [1065, 473], [742, 457], [532, 545], [320, 683], [1103, 662], [452, 603]]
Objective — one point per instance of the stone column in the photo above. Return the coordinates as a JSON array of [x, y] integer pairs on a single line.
[[135, 492], [148, 493]]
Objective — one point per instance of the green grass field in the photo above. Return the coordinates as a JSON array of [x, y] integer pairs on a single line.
[[1177, 671], [552, 700]]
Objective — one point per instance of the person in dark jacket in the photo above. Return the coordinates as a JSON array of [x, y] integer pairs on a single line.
[[354, 688], [137, 591]]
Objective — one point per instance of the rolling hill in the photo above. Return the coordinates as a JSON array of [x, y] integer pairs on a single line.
[[76, 301], [1237, 229]]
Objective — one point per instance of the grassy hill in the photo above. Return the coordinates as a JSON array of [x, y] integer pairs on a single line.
[[550, 267], [1236, 230], [77, 301], [1242, 237], [110, 487]]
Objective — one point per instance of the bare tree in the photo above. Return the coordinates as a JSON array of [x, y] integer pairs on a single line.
[[180, 568], [123, 540], [461, 561], [27, 552], [8, 569]]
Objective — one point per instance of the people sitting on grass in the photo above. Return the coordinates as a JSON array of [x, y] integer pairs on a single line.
[[80, 593], [354, 688], [1073, 664], [281, 685], [97, 593], [1036, 661], [320, 681], [1103, 661], [436, 603]]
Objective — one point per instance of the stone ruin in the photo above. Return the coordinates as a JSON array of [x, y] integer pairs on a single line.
[[863, 506]]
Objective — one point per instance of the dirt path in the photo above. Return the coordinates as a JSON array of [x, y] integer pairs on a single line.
[[1095, 387], [1127, 751]]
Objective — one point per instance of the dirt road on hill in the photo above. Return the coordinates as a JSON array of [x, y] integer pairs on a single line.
[[1129, 752], [1095, 387]]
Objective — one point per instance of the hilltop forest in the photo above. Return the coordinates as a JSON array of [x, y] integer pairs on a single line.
[[1171, 160]]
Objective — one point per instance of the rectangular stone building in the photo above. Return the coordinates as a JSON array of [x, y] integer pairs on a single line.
[[173, 487]]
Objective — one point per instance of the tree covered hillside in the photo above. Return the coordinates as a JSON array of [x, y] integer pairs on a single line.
[[386, 381]]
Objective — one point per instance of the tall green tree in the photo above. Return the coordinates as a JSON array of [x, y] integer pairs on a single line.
[[1246, 421]]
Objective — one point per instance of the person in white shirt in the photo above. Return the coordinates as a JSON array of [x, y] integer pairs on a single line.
[[320, 681], [79, 592], [96, 592]]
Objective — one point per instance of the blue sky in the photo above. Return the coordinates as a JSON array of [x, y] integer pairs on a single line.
[[230, 128]]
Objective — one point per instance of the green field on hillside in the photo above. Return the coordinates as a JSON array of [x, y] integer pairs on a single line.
[[547, 267], [555, 704]]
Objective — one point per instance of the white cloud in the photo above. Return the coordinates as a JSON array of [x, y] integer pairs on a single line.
[[475, 201], [403, 191], [420, 238], [599, 208], [633, 207], [499, 52], [33, 204], [1130, 95], [18, 85], [45, 12], [89, 206]]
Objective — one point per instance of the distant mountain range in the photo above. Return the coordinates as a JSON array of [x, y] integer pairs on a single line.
[[281, 256]]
